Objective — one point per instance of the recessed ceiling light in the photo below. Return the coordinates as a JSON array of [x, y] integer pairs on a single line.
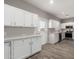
[[51, 1]]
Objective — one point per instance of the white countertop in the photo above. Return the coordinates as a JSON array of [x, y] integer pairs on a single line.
[[20, 37]]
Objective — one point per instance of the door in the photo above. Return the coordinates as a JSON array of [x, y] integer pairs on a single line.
[[28, 19], [19, 17], [7, 50], [36, 45], [8, 15]]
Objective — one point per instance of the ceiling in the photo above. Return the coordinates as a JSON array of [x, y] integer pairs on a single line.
[[60, 8]]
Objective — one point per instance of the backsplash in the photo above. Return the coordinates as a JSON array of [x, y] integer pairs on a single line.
[[18, 31]]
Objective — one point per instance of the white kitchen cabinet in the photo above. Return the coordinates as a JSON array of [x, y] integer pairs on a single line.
[[7, 50], [28, 19], [54, 24], [63, 25], [27, 47], [13, 16], [63, 35], [44, 36], [53, 38], [50, 23], [43, 30], [19, 17], [22, 48], [18, 49], [35, 20], [8, 15], [36, 45], [43, 22]]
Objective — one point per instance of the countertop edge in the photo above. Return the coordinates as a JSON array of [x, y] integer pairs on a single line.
[[19, 38]]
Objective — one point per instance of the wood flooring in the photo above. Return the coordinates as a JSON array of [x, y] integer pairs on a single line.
[[62, 50]]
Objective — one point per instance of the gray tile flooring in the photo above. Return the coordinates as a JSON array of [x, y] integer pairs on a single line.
[[62, 50]]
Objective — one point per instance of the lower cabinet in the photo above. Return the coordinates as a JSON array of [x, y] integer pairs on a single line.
[[36, 44], [53, 38], [27, 47], [7, 50], [22, 48]]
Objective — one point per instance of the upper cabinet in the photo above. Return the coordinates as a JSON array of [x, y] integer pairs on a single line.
[[8, 15], [18, 17], [63, 25], [43, 22], [28, 19], [13, 16], [35, 20], [54, 24]]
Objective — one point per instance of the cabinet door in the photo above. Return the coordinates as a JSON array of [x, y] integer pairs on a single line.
[[27, 47], [28, 19], [44, 36], [22, 48], [43, 22], [50, 23], [63, 26], [8, 15], [36, 45], [19, 17], [53, 38], [35, 20], [7, 50], [18, 49], [56, 24]]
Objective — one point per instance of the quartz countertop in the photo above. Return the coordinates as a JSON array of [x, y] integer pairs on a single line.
[[20, 37]]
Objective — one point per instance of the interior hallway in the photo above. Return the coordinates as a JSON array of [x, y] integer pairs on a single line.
[[62, 50]]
